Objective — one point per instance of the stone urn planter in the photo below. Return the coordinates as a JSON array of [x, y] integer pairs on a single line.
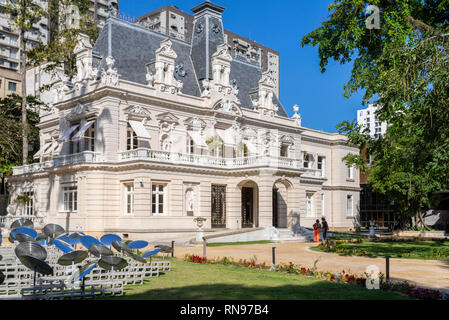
[[199, 223]]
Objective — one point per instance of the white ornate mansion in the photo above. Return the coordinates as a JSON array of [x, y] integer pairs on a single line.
[[155, 131]]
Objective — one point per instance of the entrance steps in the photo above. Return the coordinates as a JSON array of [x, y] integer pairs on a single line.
[[297, 235]]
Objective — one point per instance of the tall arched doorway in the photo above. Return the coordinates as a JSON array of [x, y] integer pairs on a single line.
[[250, 200]]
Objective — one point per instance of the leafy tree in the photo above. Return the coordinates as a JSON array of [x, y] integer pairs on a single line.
[[68, 18], [12, 130], [403, 67], [57, 52], [23, 14]]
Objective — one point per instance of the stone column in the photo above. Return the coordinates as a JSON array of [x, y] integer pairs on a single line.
[[265, 184], [205, 189], [234, 206]]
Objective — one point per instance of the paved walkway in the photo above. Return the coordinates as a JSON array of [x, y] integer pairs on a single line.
[[425, 273]]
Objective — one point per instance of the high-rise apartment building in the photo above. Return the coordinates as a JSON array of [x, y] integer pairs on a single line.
[[40, 33], [175, 23], [368, 118]]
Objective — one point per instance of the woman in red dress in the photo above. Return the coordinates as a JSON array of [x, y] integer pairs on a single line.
[[316, 231]]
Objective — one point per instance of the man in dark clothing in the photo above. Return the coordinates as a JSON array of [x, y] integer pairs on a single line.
[[325, 227]]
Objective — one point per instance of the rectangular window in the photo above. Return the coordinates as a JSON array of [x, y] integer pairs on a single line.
[[309, 205], [29, 206], [158, 200], [349, 206], [323, 211], [321, 165], [131, 139], [12, 86], [284, 151], [306, 160], [350, 174], [70, 199], [190, 146], [129, 203], [89, 138], [74, 143]]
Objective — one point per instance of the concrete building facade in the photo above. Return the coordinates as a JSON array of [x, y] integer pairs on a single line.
[[156, 130], [368, 118]]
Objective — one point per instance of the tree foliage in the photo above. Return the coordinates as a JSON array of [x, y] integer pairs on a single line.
[[404, 68], [66, 24], [11, 132]]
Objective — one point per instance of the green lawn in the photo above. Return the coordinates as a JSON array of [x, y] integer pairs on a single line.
[[223, 244], [427, 250], [189, 281]]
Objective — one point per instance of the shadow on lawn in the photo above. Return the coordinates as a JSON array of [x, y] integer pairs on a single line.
[[316, 291]]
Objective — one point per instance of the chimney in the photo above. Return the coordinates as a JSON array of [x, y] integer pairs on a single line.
[[208, 34]]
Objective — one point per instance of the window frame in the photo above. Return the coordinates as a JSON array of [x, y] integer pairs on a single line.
[[29, 209], [72, 203], [309, 200], [350, 173], [132, 141], [350, 210], [128, 193], [72, 143], [12, 83], [155, 197], [321, 163], [306, 160], [284, 151]]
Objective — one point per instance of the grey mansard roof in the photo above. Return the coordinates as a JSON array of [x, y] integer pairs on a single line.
[[133, 48]]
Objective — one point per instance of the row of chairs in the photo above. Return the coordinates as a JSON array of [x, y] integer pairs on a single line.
[[19, 280]]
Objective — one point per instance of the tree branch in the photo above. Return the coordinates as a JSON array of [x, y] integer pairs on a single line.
[[419, 25]]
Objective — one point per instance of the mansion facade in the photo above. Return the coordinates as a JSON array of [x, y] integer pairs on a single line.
[[155, 131]]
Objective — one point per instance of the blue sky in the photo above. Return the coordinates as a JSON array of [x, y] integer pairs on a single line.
[[281, 25]]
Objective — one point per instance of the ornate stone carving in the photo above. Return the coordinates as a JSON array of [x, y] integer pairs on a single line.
[[296, 117], [199, 28], [78, 112], [226, 105], [264, 102], [206, 92], [150, 79], [110, 77], [164, 79], [216, 28], [140, 112], [179, 69], [84, 67]]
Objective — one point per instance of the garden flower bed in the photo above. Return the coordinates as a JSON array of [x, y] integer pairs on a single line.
[[340, 277]]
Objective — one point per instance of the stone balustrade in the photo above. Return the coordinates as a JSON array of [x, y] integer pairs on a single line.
[[6, 221], [215, 162], [83, 157], [175, 158]]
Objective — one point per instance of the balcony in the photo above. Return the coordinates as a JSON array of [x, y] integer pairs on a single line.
[[176, 159], [196, 160], [83, 157]]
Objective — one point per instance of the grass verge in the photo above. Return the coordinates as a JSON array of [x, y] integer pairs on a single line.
[[189, 281], [424, 250]]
